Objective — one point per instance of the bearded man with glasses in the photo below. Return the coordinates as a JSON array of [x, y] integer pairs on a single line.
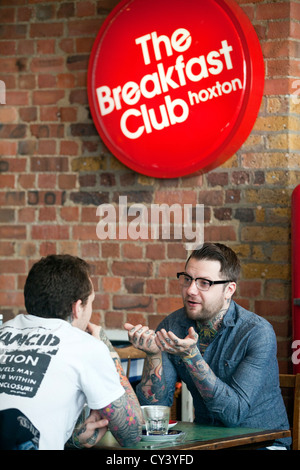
[[225, 354]]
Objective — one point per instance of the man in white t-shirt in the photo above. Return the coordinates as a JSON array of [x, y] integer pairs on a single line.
[[49, 370]]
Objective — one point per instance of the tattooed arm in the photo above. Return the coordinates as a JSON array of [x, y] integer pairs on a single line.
[[203, 377], [88, 431], [99, 333], [124, 415], [152, 385]]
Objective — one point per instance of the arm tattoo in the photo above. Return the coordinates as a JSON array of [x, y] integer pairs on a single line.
[[153, 384], [202, 375], [124, 414], [123, 379], [122, 421]]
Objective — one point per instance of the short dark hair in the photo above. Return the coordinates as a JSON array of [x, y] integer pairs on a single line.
[[54, 283], [230, 264]]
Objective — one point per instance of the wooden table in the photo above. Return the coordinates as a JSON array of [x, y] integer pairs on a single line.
[[201, 437]]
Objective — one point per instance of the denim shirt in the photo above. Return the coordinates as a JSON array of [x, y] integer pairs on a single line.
[[242, 355]]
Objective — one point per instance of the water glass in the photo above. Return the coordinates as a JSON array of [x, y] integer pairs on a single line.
[[156, 419]]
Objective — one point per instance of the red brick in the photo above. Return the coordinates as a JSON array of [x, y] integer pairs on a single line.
[[49, 113], [7, 248], [110, 249], [7, 115], [48, 164], [68, 148], [47, 248], [88, 214], [68, 114], [133, 303], [47, 214], [40, 30], [12, 31], [273, 11], [11, 298], [8, 65], [277, 86], [14, 266], [85, 8], [101, 302], [70, 214], [7, 282], [7, 216], [67, 45], [7, 181], [269, 308], [278, 29], [155, 286], [12, 198], [272, 49], [219, 233], [154, 320], [28, 114], [26, 47], [168, 304], [175, 197], [27, 82], [129, 250], [84, 44], [26, 214], [24, 13], [47, 147], [155, 251], [84, 232], [111, 284], [8, 15], [139, 268], [46, 80], [82, 27], [66, 80], [136, 319], [114, 319], [46, 46], [15, 164], [49, 232], [47, 97], [169, 269], [8, 47], [66, 181], [17, 98], [211, 198], [249, 288]]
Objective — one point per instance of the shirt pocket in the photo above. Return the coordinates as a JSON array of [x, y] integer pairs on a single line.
[[229, 368]]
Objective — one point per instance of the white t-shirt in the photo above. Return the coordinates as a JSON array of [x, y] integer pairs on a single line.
[[49, 370]]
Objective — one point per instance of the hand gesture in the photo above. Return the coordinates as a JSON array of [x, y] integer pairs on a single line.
[[170, 343], [141, 337]]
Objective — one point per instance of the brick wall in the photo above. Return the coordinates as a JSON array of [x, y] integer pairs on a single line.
[[55, 171]]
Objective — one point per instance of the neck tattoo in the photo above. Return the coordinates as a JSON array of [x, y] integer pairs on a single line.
[[208, 330]]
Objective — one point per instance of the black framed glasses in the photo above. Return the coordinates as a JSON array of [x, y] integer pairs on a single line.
[[185, 280]]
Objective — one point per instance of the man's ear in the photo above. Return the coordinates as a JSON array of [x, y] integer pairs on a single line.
[[76, 309], [230, 290]]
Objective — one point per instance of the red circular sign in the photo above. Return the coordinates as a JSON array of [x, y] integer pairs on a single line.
[[175, 87]]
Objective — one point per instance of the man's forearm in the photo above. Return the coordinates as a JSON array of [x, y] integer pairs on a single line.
[[202, 375], [153, 385], [131, 396]]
